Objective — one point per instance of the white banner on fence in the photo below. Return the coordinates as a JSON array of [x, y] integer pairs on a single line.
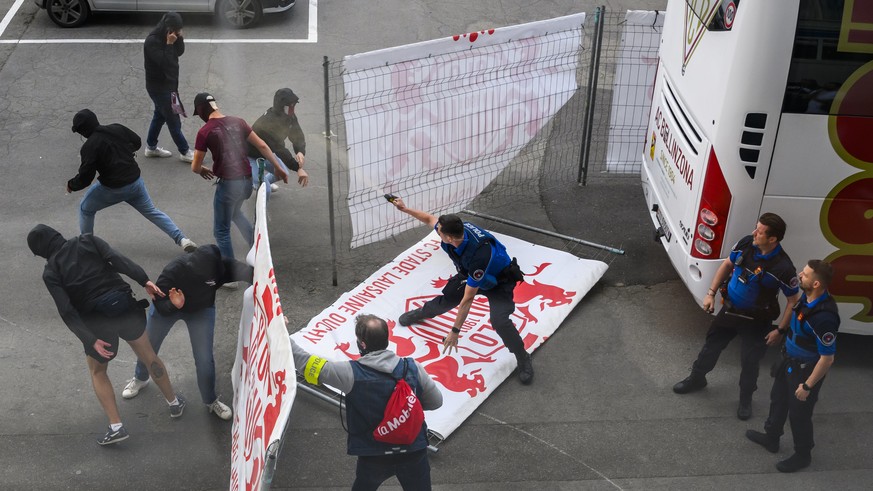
[[632, 90], [556, 282], [264, 382], [437, 121]]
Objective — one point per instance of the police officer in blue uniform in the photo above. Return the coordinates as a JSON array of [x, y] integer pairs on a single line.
[[757, 269], [807, 356], [484, 267]]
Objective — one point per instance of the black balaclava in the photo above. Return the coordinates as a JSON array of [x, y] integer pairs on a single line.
[[284, 100], [44, 241], [84, 122]]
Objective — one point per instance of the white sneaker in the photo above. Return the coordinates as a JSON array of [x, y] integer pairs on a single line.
[[220, 409], [186, 157], [274, 187], [157, 152], [187, 244], [133, 387]]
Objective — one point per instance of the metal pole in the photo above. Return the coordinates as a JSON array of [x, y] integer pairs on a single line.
[[270, 465], [545, 232], [324, 397], [328, 143], [594, 96], [589, 93]]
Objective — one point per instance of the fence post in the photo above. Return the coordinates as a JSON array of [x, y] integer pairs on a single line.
[[591, 95], [327, 145]]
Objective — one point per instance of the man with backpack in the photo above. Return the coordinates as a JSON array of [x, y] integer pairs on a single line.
[[368, 384]]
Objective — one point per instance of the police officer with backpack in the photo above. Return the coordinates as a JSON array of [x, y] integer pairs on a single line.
[[483, 268], [368, 384], [749, 281]]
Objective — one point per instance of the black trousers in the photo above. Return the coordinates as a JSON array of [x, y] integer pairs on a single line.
[[785, 405], [500, 300], [724, 328]]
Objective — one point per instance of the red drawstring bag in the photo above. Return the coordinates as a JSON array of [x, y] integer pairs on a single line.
[[403, 417]]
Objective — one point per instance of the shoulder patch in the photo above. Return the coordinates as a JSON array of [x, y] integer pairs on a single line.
[[828, 338], [478, 274]]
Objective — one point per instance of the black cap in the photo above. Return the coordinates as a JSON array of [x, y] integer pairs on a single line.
[[204, 102]]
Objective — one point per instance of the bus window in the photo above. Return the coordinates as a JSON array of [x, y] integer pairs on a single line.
[[718, 15], [818, 68]]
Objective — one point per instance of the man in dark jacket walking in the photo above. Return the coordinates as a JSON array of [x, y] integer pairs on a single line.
[[162, 49], [368, 384], [274, 126], [191, 281], [97, 305], [109, 152]]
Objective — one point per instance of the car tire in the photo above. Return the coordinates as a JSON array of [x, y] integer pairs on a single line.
[[68, 13], [239, 14]]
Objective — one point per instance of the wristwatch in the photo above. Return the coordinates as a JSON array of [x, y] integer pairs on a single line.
[[456, 330], [806, 387]]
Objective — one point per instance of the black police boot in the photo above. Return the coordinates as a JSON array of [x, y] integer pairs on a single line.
[[795, 462], [768, 442], [411, 317], [691, 383], [744, 410], [525, 368]]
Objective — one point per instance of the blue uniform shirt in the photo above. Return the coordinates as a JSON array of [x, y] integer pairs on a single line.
[[756, 281], [480, 257], [814, 327]]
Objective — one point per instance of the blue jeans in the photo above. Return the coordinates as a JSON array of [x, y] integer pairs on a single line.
[[269, 173], [201, 329], [229, 197], [136, 195], [412, 470], [164, 114]]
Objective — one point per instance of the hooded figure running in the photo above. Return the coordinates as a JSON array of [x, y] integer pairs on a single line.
[[82, 276], [274, 126]]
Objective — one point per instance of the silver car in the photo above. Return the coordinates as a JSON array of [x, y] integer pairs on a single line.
[[238, 14]]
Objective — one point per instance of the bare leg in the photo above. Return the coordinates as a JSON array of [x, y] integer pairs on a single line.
[[143, 349], [103, 389]]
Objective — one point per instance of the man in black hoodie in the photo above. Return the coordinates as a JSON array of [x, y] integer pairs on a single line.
[[109, 152], [274, 126], [191, 281], [162, 49], [97, 305]]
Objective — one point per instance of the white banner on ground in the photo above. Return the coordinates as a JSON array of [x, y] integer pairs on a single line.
[[437, 121], [556, 282], [632, 90], [264, 383]]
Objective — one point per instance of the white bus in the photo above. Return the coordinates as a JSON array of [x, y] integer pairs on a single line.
[[766, 106]]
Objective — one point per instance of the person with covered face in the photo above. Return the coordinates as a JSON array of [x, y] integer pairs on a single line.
[[109, 153], [276, 125], [191, 281], [226, 138], [161, 50], [83, 276]]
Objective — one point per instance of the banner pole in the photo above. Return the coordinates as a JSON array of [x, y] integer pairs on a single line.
[[328, 142]]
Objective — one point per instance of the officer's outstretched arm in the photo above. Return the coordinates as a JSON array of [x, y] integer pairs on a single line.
[[419, 215]]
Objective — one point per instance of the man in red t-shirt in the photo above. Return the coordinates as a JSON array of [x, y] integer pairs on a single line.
[[225, 137]]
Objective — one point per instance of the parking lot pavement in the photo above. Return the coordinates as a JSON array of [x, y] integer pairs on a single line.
[[600, 414]]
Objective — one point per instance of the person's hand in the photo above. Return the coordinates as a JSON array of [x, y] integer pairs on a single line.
[[773, 337], [800, 393], [173, 36], [300, 158], [177, 298], [206, 173], [68, 189], [709, 303], [449, 342], [399, 204], [302, 178], [153, 290], [101, 346], [280, 173]]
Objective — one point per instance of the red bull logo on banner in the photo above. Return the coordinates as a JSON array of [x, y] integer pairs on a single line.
[[555, 283]]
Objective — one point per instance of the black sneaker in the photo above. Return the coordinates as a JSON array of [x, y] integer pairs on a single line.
[[177, 409], [411, 317], [691, 383], [794, 463], [525, 368], [114, 436], [744, 410], [764, 440]]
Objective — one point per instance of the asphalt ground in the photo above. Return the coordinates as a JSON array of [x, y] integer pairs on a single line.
[[600, 414]]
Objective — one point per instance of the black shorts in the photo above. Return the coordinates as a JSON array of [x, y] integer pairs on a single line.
[[128, 326]]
